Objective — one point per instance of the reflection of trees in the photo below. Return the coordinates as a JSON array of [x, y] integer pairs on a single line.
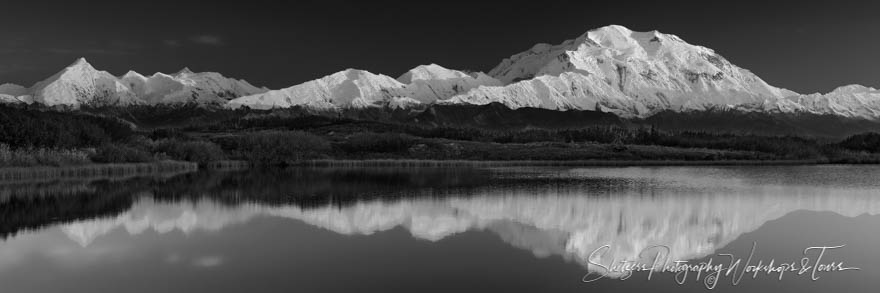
[[19, 213], [345, 186], [37, 205], [315, 186]]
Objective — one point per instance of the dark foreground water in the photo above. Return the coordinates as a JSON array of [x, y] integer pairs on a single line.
[[448, 230]]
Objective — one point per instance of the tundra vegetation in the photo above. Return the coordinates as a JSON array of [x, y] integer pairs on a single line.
[[31, 136]]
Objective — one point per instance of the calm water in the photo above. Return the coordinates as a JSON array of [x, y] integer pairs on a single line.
[[442, 230]]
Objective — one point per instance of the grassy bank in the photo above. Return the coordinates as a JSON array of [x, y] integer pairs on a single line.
[[25, 157], [95, 171]]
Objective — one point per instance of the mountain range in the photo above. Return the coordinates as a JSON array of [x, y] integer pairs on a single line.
[[81, 84], [610, 69]]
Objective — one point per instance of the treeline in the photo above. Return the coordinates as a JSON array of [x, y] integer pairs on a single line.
[[22, 128], [20, 212], [867, 142], [34, 136], [784, 147], [39, 137]]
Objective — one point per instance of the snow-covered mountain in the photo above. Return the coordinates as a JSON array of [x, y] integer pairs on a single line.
[[353, 88], [13, 93], [429, 83], [848, 101], [81, 84], [629, 73], [611, 69], [186, 86], [636, 74], [350, 88], [12, 89]]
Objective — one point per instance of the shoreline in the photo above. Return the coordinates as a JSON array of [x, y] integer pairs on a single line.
[[550, 163], [94, 171], [117, 171]]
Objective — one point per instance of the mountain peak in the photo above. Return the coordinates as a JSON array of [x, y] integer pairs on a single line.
[[629, 73], [431, 66], [429, 72], [608, 36], [853, 88], [183, 71], [132, 73], [80, 63], [349, 88], [619, 30], [588, 51], [613, 28], [354, 74], [629, 42]]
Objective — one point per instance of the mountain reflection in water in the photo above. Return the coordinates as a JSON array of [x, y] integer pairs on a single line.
[[548, 211]]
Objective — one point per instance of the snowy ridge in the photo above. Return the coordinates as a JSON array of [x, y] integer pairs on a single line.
[[354, 88], [611, 69], [632, 74], [13, 93], [429, 83], [637, 74], [12, 89], [81, 84], [186, 86], [849, 101], [350, 88]]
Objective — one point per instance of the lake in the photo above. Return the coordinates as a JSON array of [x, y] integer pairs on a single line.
[[506, 229]]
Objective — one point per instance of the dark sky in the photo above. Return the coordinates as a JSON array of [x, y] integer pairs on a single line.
[[804, 47]]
